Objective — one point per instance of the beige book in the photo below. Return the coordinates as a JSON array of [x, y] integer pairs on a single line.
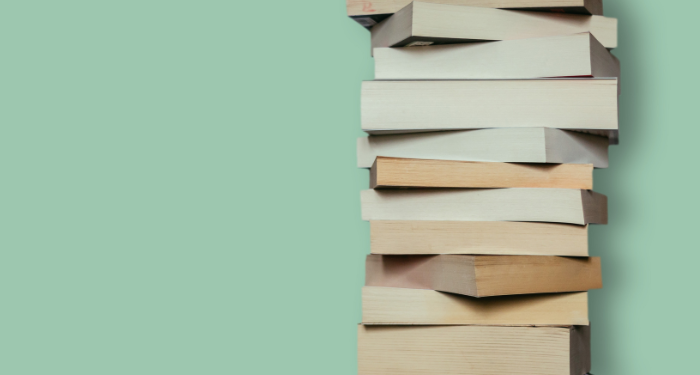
[[484, 275], [473, 350], [370, 12], [514, 145], [417, 306], [422, 23], [477, 237], [403, 172], [406, 106], [570, 206], [577, 55]]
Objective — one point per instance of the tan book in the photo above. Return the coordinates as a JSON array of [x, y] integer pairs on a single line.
[[421, 23], [514, 145], [477, 237], [406, 106], [425, 307], [568, 206], [484, 275], [370, 12], [473, 350], [402, 172], [577, 55]]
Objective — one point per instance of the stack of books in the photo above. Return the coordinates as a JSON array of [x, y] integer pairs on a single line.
[[485, 125]]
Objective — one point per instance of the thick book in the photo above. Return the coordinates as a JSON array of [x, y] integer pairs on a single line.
[[484, 275], [370, 12], [477, 237], [403, 172], [578, 55], [420, 24], [394, 306], [509, 145], [588, 104], [570, 206], [473, 350]]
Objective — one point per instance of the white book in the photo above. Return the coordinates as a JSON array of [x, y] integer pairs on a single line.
[[578, 55], [570, 206], [508, 145], [425, 23], [576, 104]]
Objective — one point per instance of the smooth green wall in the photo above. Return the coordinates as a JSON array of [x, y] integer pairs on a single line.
[[178, 190]]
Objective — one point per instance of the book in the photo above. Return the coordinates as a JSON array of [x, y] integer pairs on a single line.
[[417, 306], [510, 145], [577, 55], [484, 275], [569, 206], [370, 12], [473, 350], [420, 23], [398, 106], [477, 237], [403, 172]]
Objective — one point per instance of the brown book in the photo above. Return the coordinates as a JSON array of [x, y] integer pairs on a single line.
[[399, 172], [484, 275], [420, 306], [369, 12], [473, 350], [477, 237], [420, 24]]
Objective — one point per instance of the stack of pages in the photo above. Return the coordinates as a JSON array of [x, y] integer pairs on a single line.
[[485, 121]]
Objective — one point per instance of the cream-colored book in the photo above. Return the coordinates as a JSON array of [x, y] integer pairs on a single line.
[[407, 106], [389, 306], [368, 13], [484, 275], [477, 237], [577, 55], [421, 23], [403, 172], [570, 206], [509, 145], [473, 350]]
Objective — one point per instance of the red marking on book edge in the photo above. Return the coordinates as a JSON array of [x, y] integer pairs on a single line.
[[367, 7]]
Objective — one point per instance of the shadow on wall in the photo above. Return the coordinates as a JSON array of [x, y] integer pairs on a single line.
[[609, 317]]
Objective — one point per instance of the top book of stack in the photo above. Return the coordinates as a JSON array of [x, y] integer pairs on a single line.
[[369, 12]]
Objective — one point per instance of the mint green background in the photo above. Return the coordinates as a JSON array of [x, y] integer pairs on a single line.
[[178, 190]]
